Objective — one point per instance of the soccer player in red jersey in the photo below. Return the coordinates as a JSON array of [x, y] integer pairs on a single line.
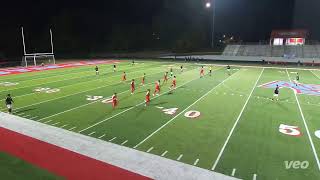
[[201, 72], [157, 90], [143, 79], [132, 86], [174, 83], [124, 76], [147, 97], [165, 77], [114, 100]]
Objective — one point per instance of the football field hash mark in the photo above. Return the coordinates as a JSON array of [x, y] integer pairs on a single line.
[[91, 133], [112, 139], [124, 142], [72, 128], [149, 150], [164, 153], [64, 126], [196, 162], [102, 136], [179, 158], [233, 172], [254, 177]]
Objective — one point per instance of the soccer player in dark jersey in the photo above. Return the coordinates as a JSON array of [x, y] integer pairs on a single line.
[[143, 79], [297, 79], [124, 77], [132, 86], [114, 68], [97, 70], [181, 68], [210, 71], [276, 94], [114, 100], [229, 70], [9, 102], [147, 97], [165, 78]]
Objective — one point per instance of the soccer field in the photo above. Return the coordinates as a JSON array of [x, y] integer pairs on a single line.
[[226, 123]]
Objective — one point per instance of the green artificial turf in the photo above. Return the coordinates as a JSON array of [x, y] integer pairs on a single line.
[[237, 132]]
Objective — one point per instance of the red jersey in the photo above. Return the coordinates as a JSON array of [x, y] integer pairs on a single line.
[[132, 85], [114, 99], [157, 85], [148, 96], [201, 71], [174, 82]]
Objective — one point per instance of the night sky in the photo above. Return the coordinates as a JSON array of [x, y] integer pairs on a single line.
[[135, 25]]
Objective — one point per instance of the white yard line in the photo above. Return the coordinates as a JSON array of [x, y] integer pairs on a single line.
[[150, 149], [254, 177], [306, 126], [87, 104], [101, 136], [196, 162], [129, 109], [235, 124], [164, 153], [112, 139], [72, 94], [182, 112], [124, 142], [233, 172], [63, 79], [179, 158]]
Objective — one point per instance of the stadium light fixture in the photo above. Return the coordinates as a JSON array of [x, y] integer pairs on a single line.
[[208, 5]]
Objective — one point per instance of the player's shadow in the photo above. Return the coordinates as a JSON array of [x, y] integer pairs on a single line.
[[25, 110], [157, 104]]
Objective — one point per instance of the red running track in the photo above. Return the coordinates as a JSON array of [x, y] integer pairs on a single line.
[[59, 161]]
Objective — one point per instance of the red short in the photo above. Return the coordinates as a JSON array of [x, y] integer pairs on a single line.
[[114, 103]]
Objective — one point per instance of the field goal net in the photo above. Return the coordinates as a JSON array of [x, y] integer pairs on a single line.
[[37, 59]]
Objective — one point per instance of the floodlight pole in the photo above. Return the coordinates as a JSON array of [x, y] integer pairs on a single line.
[[213, 23]]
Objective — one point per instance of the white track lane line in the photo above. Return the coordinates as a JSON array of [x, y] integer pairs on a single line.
[[71, 94], [164, 125], [236, 123], [306, 126], [129, 109]]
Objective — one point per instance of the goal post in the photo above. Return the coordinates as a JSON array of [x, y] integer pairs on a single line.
[[37, 59]]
